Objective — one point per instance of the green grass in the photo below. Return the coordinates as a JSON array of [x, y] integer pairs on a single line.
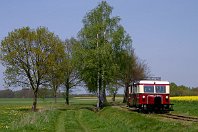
[[16, 116], [189, 108]]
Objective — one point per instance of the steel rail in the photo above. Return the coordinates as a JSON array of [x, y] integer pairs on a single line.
[[180, 117]]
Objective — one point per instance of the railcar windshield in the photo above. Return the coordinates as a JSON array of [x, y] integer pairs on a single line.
[[149, 89], [160, 89]]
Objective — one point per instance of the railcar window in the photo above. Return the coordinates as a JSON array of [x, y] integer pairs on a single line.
[[160, 89], [149, 89], [134, 89]]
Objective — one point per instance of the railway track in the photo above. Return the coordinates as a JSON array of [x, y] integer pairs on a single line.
[[170, 116], [180, 117]]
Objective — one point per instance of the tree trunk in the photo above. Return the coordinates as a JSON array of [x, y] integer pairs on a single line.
[[67, 92], [55, 98], [55, 94], [100, 89], [113, 99], [34, 101], [126, 93], [104, 95], [67, 96]]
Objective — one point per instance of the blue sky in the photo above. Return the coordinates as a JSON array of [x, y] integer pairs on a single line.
[[164, 32]]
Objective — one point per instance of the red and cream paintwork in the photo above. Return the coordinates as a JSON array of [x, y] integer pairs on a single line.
[[150, 95]]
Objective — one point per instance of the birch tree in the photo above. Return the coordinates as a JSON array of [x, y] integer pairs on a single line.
[[102, 40]]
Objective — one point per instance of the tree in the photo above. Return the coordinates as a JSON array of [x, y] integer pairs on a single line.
[[43, 93], [56, 68], [70, 73], [113, 90], [27, 54], [102, 39], [135, 70]]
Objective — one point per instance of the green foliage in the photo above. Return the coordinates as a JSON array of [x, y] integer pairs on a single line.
[[182, 90], [105, 55], [28, 56], [69, 69], [103, 39], [27, 53], [56, 66]]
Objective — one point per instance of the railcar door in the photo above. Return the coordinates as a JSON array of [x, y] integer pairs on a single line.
[[135, 100]]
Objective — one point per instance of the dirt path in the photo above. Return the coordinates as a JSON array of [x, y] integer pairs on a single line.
[[60, 122], [71, 121], [84, 128]]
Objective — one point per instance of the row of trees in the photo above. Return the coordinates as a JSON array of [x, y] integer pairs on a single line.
[[35, 59], [100, 58], [43, 93]]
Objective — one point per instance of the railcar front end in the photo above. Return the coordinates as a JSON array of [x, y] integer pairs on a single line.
[[150, 95]]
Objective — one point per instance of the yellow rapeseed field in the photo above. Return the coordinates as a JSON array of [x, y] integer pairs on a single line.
[[185, 98]]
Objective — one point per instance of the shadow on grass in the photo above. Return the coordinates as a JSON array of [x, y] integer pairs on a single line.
[[24, 109], [79, 107]]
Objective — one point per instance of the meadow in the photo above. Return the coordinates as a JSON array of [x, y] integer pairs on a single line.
[[80, 115]]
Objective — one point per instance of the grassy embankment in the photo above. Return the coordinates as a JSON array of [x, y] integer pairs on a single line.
[[15, 115]]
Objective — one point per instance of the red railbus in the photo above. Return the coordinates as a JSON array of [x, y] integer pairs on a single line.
[[150, 95]]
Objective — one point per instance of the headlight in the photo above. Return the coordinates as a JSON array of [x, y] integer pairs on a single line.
[[143, 97], [166, 97]]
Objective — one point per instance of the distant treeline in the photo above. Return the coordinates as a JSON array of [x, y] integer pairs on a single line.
[[28, 93], [43, 93], [182, 90], [175, 90]]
